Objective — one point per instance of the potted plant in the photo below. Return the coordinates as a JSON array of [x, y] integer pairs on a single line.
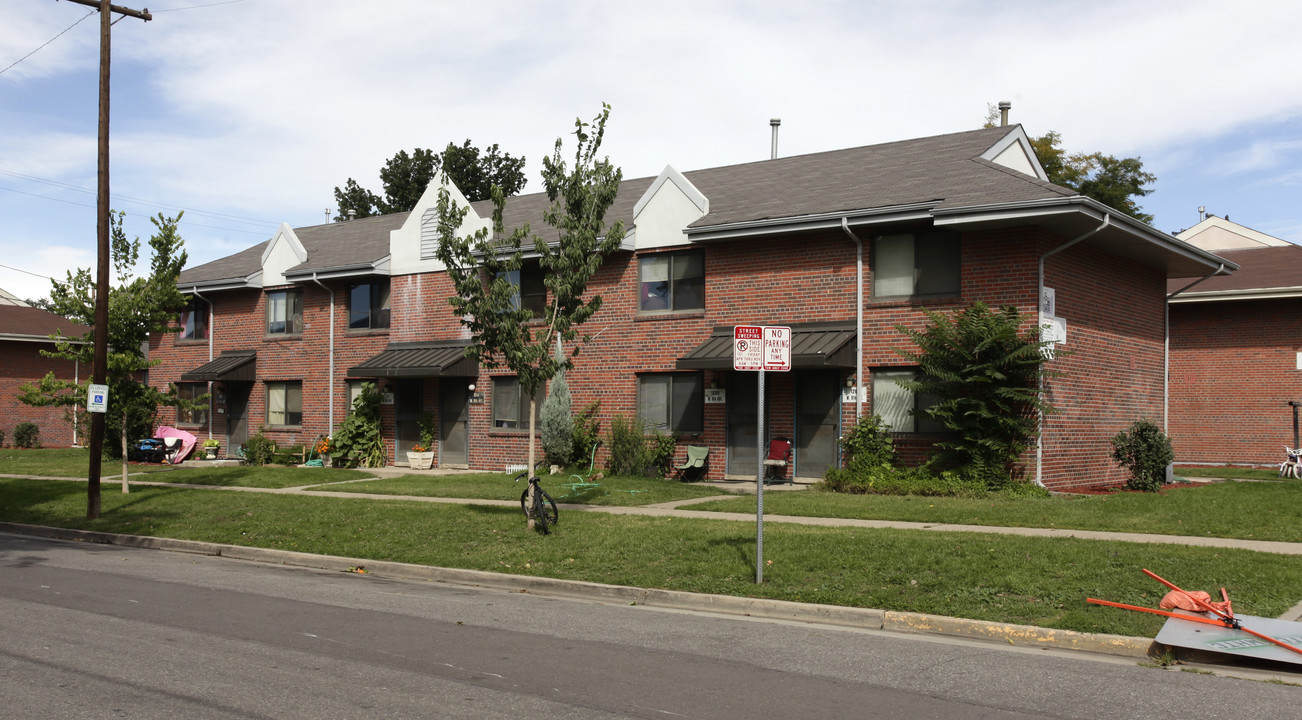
[[323, 448], [210, 447], [421, 455]]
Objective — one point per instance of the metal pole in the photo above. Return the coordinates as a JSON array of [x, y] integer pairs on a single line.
[[1295, 405], [759, 485]]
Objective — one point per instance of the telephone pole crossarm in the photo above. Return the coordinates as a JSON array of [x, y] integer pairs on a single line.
[[142, 14]]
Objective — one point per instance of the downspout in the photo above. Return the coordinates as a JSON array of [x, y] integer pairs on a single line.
[[1039, 298], [858, 317], [331, 373], [1166, 349], [211, 316]]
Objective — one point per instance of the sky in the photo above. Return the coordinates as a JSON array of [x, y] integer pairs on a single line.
[[248, 113]]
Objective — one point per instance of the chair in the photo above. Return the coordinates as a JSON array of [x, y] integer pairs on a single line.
[[776, 462], [695, 466], [1289, 468]]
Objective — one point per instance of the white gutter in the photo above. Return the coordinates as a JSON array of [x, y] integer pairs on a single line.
[[211, 334], [1166, 346], [331, 373], [858, 317], [1039, 298]]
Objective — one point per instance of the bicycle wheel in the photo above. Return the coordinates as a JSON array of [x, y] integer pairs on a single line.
[[547, 507]]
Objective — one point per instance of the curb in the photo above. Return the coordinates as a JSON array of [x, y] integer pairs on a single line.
[[863, 618]]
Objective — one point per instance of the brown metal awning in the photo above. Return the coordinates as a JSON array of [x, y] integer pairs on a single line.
[[813, 345], [419, 359], [230, 366]]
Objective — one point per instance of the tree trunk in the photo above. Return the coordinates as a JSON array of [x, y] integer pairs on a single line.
[[529, 500]]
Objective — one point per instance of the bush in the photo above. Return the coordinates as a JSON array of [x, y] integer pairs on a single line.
[[27, 435], [1145, 451], [587, 433], [628, 449], [557, 425], [358, 440], [2, 438], [867, 443], [884, 479], [259, 449], [660, 452]]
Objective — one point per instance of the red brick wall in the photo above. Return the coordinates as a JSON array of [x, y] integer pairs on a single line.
[[1233, 372], [23, 364]]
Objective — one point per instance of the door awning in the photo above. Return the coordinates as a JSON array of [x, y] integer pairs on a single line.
[[230, 366], [419, 359], [813, 345]]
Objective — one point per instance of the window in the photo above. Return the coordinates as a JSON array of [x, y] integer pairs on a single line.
[[368, 305], [672, 402], [511, 405], [530, 292], [194, 320], [909, 264], [285, 403], [354, 391], [899, 407], [188, 392], [672, 282], [285, 312]]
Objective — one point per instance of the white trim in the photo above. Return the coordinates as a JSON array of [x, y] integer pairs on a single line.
[[1246, 294], [1017, 136], [821, 221], [671, 175]]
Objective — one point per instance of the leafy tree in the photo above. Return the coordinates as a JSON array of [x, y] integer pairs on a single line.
[[405, 177], [503, 332], [982, 374], [1115, 182], [138, 307]]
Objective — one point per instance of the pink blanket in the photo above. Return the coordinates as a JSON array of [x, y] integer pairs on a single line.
[[187, 441]]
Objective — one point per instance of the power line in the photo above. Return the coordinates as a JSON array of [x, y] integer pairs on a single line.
[[47, 42], [29, 272]]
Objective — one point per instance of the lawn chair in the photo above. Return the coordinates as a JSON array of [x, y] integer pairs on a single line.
[[695, 466], [1290, 467], [777, 461]]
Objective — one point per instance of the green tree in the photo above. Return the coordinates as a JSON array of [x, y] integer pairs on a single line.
[[557, 423], [503, 332], [405, 177], [981, 374], [138, 307]]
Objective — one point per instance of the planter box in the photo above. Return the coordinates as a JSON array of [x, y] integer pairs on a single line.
[[420, 460]]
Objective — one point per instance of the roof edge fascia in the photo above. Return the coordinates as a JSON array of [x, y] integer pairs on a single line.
[[378, 267], [23, 337], [1245, 294], [236, 283], [820, 221]]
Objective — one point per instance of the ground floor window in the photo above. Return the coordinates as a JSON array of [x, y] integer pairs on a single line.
[[672, 402], [899, 407], [511, 404], [197, 415], [285, 403]]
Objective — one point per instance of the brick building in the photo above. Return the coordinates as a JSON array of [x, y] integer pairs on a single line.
[[285, 331], [1236, 350], [24, 332]]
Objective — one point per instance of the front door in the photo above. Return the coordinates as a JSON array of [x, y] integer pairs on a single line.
[[237, 415], [454, 422], [743, 424], [818, 416], [409, 403]]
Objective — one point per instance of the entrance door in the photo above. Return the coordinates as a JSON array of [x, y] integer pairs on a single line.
[[237, 415], [408, 405], [818, 416], [743, 424], [454, 422]]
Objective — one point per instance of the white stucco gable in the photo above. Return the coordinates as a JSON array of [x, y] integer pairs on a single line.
[[282, 253], [668, 206], [1015, 152], [412, 246]]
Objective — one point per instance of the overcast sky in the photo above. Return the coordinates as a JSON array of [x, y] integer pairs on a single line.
[[248, 113]]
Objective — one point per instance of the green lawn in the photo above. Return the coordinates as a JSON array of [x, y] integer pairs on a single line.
[[1249, 510], [626, 491], [1021, 580], [1238, 473], [75, 463]]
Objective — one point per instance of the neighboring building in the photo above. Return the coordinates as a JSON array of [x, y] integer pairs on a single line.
[[1236, 350], [287, 330], [24, 332]]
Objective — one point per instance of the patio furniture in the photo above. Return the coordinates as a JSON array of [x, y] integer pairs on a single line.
[[777, 461], [696, 464]]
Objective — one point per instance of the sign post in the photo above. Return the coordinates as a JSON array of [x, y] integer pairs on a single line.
[[759, 348]]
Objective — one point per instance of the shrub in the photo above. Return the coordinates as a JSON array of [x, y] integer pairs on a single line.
[[883, 479], [27, 435], [259, 449], [867, 443], [358, 440], [2, 438], [628, 449], [1145, 451], [557, 425], [660, 452], [587, 433]]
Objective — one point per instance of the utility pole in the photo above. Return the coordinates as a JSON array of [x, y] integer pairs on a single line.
[[99, 369]]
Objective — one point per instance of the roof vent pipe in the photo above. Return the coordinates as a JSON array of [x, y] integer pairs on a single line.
[[1004, 107], [774, 123]]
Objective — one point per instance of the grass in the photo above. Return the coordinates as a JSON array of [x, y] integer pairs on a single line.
[[1248, 510], [267, 476], [1033, 581], [1229, 473], [623, 491]]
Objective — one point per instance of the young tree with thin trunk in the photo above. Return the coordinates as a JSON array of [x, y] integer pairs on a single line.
[[505, 333]]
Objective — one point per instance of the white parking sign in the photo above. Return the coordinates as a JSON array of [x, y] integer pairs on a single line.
[[97, 398]]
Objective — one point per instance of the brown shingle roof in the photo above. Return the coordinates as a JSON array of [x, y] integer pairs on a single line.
[[30, 322], [1262, 268]]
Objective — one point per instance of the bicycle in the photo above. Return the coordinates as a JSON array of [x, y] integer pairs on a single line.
[[543, 512]]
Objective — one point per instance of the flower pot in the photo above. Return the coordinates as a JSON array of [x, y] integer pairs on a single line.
[[420, 460]]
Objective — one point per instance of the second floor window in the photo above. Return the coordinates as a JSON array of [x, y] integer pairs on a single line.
[[368, 305], [671, 282], [285, 312], [530, 292], [194, 320], [916, 264]]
